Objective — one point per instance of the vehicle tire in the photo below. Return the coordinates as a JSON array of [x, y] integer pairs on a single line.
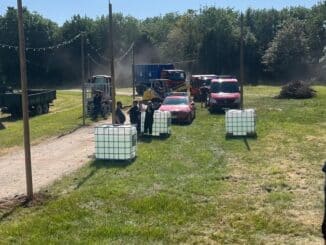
[[140, 90], [38, 110], [105, 109], [90, 109], [189, 119], [15, 113], [45, 108]]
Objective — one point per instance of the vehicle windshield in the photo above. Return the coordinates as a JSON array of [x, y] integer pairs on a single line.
[[99, 80], [206, 82], [175, 101], [177, 75], [225, 87]]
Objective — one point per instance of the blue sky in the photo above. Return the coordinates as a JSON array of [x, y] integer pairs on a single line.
[[61, 10]]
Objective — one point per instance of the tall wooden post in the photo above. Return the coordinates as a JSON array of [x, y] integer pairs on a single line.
[[82, 52], [23, 78], [112, 62], [241, 62], [133, 72], [89, 73]]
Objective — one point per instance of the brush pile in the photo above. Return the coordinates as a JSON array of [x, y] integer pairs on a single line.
[[296, 90]]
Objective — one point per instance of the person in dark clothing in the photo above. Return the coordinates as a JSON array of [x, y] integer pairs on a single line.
[[149, 118], [134, 114], [97, 102], [323, 227], [203, 96], [120, 117]]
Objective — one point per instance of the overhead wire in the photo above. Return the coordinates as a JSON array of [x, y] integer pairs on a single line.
[[43, 49]]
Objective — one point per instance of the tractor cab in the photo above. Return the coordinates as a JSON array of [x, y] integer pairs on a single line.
[[158, 90], [175, 79], [98, 85]]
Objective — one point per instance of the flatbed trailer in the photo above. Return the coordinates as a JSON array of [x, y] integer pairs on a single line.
[[39, 101]]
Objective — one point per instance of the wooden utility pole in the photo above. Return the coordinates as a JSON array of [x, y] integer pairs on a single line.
[[112, 62], [23, 78], [241, 62], [89, 73], [133, 71], [82, 52]]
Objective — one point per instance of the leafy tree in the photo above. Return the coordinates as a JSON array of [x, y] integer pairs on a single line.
[[316, 29], [287, 55], [219, 49], [277, 43], [39, 32]]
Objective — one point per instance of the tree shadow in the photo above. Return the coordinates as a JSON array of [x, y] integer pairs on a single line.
[[99, 164]]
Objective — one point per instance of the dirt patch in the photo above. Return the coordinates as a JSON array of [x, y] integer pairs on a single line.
[[9, 205]]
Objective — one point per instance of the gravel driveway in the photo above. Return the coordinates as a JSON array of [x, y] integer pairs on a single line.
[[51, 159]]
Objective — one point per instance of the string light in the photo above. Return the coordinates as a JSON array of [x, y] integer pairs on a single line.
[[95, 62], [43, 49], [106, 59]]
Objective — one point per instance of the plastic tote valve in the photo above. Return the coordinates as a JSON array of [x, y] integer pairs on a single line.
[[240, 122], [115, 142]]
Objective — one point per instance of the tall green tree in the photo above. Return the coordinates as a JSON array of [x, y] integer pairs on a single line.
[[219, 49], [287, 55]]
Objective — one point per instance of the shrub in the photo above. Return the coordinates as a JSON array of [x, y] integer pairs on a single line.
[[297, 90]]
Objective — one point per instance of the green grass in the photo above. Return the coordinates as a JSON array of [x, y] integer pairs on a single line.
[[196, 186], [64, 116]]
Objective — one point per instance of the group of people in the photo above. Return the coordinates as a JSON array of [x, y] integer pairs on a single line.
[[135, 116], [134, 113]]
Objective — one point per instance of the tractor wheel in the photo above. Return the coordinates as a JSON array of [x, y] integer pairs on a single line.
[[105, 110], [140, 90], [45, 108], [189, 119], [38, 110]]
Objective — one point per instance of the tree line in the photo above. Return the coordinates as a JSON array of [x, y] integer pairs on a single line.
[[279, 44]]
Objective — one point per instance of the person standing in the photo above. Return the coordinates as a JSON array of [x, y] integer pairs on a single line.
[[97, 103], [134, 114], [149, 118], [323, 227], [120, 117], [203, 96]]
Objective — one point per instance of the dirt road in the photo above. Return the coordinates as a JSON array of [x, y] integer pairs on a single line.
[[51, 160], [120, 91]]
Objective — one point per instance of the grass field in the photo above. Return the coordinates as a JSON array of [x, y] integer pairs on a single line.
[[196, 186], [64, 116]]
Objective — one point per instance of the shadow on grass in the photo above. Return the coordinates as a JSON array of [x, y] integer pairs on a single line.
[[244, 138], [149, 139], [98, 164], [7, 119], [2, 126], [217, 112]]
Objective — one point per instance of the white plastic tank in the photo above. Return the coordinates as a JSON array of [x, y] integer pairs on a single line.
[[240, 122], [115, 142], [161, 123]]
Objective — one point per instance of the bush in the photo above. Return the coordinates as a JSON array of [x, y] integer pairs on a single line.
[[297, 90]]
